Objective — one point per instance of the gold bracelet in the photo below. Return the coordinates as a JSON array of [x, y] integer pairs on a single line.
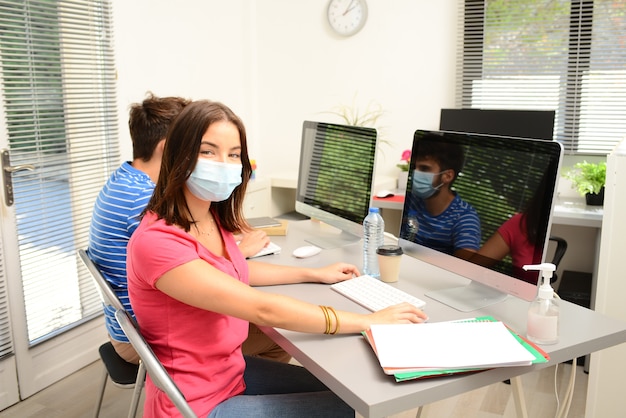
[[327, 318], [336, 319]]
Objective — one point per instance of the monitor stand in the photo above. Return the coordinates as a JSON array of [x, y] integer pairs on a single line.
[[328, 240], [468, 298]]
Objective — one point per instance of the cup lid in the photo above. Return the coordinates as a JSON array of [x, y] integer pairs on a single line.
[[389, 250]]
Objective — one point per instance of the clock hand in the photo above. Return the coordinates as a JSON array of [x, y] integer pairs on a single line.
[[350, 7]]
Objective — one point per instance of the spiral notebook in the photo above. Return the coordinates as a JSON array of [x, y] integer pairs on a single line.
[[409, 352]]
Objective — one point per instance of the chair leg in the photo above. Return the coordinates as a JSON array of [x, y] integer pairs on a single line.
[[105, 377], [139, 383]]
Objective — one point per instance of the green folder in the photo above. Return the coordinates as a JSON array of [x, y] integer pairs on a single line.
[[540, 356]]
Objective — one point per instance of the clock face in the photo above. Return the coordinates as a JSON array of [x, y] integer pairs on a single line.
[[347, 17]]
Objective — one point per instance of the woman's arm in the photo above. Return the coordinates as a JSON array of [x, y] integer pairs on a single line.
[[492, 251], [199, 284], [265, 274]]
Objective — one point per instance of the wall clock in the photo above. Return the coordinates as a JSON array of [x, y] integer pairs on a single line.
[[347, 17]]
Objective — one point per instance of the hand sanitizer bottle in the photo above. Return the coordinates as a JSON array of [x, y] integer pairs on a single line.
[[543, 314]]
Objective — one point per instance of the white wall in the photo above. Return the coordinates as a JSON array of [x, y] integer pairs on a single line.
[[277, 63], [606, 373], [194, 48]]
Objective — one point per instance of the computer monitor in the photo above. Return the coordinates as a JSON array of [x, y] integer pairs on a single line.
[[499, 177], [536, 124], [335, 180]]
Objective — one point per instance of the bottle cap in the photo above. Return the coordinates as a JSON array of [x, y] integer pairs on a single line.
[[545, 290], [390, 250], [546, 269]]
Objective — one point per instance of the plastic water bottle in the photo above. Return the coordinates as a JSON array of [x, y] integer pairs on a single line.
[[373, 237], [411, 227]]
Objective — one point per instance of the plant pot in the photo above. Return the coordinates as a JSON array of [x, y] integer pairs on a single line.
[[402, 179], [595, 199]]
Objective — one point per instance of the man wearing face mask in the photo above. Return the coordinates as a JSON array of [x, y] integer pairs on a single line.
[[436, 215]]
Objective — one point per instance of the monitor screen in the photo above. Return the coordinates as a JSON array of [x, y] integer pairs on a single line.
[[335, 179], [462, 190], [536, 124]]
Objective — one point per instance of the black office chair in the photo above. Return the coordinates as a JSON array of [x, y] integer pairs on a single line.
[[122, 373], [559, 252]]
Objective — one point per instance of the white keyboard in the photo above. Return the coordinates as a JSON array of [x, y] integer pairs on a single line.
[[373, 294], [270, 249]]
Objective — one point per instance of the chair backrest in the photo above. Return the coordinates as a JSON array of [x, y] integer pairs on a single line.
[[104, 289], [155, 369]]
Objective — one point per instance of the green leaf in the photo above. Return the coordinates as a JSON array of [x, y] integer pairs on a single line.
[[587, 177]]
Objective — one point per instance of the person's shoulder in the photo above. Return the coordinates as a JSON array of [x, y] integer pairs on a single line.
[[153, 228], [158, 243], [461, 203], [130, 180], [463, 207], [126, 170]]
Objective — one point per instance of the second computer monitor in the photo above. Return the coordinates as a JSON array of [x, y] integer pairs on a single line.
[[498, 178], [535, 124], [335, 179]]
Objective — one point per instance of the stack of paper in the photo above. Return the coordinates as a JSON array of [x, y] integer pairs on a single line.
[[411, 351]]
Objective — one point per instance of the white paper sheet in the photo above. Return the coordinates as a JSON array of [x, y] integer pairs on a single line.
[[448, 345]]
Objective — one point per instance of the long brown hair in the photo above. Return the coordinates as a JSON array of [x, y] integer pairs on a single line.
[[180, 156]]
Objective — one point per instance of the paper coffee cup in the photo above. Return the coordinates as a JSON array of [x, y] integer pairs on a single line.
[[389, 257]]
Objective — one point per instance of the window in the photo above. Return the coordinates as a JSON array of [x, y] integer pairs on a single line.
[[58, 91], [563, 55]]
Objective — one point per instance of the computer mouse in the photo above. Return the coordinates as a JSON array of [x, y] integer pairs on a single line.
[[306, 251], [384, 193]]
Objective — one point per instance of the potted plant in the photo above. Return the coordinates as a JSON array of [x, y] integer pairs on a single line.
[[354, 116], [588, 179]]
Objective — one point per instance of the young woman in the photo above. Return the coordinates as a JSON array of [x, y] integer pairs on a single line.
[[190, 289]]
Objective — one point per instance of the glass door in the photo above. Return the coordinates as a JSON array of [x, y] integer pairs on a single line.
[[58, 144]]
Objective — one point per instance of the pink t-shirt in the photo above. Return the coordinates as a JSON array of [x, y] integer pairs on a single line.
[[522, 252], [200, 349]]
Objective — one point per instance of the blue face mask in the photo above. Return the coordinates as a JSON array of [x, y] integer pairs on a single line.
[[214, 181], [423, 184]]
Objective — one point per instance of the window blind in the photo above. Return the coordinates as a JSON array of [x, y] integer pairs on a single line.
[[58, 81], [562, 55], [6, 345]]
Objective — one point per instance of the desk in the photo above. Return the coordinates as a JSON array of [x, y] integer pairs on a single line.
[[348, 366]]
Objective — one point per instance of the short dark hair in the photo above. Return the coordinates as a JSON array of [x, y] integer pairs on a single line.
[[449, 156], [180, 156], [149, 121]]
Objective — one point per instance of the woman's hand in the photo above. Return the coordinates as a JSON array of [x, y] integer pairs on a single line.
[[403, 313], [337, 272], [252, 242]]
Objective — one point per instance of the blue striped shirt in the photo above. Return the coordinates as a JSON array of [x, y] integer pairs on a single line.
[[115, 217], [457, 227]]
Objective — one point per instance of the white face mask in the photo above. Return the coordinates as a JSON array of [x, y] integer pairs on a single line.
[[423, 184], [214, 181]]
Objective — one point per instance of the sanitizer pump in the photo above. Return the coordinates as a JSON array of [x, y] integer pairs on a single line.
[[543, 314]]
